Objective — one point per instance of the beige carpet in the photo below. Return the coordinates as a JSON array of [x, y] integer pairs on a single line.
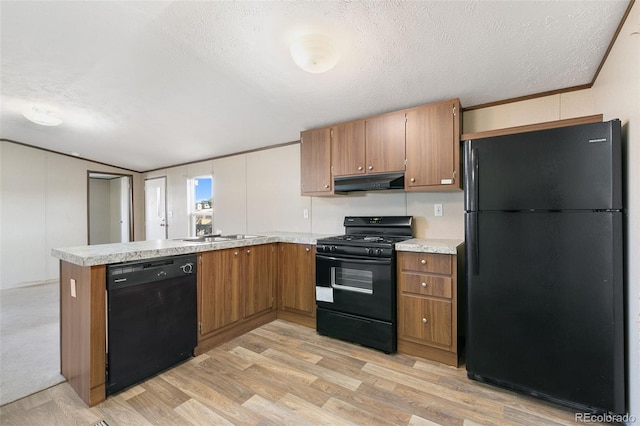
[[29, 340]]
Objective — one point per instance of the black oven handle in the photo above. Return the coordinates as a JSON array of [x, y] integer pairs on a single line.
[[355, 260]]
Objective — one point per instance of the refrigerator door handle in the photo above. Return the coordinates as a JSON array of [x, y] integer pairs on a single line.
[[471, 168], [471, 237]]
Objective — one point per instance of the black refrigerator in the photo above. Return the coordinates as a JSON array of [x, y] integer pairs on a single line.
[[544, 264]]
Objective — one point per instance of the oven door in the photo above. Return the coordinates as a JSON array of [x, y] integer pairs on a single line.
[[357, 286]]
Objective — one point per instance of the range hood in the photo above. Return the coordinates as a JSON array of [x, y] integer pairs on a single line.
[[369, 182]]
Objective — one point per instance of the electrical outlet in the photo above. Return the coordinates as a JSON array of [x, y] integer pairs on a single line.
[[305, 213], [437, 209]]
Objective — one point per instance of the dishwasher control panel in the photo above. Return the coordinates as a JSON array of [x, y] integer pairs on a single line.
[[149, 270]]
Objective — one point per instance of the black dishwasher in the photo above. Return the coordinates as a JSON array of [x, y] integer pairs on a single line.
[[151, 318]]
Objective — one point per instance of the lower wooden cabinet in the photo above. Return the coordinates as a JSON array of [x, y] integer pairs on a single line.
[[236, 292], [219, 290], [428, 320], [297, 288], [260, 278]]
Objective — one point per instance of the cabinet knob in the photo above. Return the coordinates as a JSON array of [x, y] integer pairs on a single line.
[[326, 186], [307, 249], [424, 320], [370, 167], [359, 167], [248, 251], [413, 180], [423, 285], [235, 253], [423, 261]]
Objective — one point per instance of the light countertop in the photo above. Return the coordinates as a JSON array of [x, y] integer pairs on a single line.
[[104, 254], [441, 246]]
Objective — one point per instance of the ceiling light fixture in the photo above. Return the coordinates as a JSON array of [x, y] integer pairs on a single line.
[[314, 53], [42, 116]]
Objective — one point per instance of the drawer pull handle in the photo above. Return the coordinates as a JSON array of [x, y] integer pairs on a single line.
[[423, 261], [423, 285], [424, 320]]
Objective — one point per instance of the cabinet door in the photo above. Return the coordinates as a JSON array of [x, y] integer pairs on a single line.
[[433, 147], [297, 278], [347, 149], [219, 289], [315, 162], [385, 143], [259, 279], [425, 320]]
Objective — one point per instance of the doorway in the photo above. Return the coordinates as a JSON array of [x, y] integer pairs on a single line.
[[155, 208], [110, 205]]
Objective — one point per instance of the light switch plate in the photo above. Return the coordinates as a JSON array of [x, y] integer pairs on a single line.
[[437, 209]]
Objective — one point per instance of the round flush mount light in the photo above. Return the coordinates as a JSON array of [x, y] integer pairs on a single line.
[[315, 53], [41, 115]]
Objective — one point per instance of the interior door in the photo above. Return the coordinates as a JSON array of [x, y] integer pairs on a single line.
[[155, 208], [110, 208], [125, 209]]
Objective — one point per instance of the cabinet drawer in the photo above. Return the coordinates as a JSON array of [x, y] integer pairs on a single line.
[[425, 262], [425, 320], [426, 285]]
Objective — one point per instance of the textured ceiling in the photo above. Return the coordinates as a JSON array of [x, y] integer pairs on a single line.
[[143, 85]]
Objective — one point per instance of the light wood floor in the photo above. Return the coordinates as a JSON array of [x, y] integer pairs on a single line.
[[283, 373]]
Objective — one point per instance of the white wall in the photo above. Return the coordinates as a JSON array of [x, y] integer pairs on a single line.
[[273, 193], [23, 240], [44, 206]]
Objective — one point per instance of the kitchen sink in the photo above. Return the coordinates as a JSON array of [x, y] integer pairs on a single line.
[[205, 239], [217, 238], [239, 236]]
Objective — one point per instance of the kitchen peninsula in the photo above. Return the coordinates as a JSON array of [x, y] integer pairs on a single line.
[[83, 287], [83, 301]]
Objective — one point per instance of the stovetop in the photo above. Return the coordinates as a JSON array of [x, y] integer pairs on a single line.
[[368, 236], [364, 240]]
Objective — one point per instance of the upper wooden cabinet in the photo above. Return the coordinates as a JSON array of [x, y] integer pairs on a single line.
[[433, 147], [385, 143], [347, 148], [423, 142], [373, 145], [315, 162]]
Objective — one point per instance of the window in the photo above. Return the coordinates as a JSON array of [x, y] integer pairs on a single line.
[[201, 205]]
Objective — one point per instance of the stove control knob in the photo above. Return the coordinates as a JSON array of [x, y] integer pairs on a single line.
[[367, 250], [379, 252], [332, 248]]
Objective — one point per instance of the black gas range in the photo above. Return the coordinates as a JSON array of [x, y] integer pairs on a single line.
[[356, 280]]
